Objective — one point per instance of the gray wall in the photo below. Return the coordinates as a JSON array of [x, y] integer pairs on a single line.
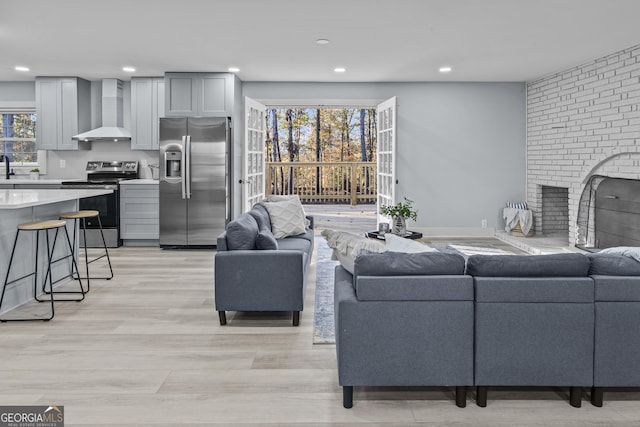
[[18, 91], [460, 146]]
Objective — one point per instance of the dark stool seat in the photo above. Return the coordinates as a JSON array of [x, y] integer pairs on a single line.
[[45, 227], [83, 215]]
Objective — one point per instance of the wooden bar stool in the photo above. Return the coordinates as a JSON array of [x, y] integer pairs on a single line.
[[83, 216], [38, 226]]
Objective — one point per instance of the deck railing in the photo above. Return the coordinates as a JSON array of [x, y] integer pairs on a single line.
[[324, 182]]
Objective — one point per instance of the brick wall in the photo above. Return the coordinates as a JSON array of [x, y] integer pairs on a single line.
[[580, 122]]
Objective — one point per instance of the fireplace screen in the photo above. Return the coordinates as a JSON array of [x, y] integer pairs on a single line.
[[609, 213]]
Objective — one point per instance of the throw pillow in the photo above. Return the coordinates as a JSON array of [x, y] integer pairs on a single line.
[[242, 232], [261, 215], [287, 217], [400, 244], [265, 240], [630, 251], [347, 246]]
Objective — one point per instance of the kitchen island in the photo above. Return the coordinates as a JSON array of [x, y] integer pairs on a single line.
[[20, 206]]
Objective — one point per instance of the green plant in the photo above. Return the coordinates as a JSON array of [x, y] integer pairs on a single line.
[[35, 170], [404, 210]]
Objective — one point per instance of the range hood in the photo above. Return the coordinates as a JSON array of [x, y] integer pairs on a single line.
[[112, 107]]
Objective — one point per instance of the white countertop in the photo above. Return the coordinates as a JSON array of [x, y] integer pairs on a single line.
[[139, 181], [36, 181], [17, 199]]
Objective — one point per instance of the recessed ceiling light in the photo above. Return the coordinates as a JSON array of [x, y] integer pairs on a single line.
[[340, 69], [322, 41], [129, 69], [234, 69], [445, 69], [21, 68]]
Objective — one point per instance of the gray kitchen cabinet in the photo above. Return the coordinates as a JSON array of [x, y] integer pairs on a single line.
[[199, 94], [147, 106], [139, 214], [63, 106]]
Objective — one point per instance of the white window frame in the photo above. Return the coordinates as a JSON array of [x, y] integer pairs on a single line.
[[25, 108]]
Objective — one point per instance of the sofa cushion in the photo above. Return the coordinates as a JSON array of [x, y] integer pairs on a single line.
[[347, 246], [242, 232], [261, 215], [554, 265], [412, 264], [266, 241], [294, 244], [613, 265], [287, 217]]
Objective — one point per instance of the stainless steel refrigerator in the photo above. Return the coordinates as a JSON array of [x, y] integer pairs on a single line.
[[194, 177]]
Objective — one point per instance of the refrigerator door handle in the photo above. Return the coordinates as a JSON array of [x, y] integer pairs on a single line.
[[188, 165], [183, 172]]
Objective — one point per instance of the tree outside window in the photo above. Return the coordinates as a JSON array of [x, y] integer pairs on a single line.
[[18, 137]]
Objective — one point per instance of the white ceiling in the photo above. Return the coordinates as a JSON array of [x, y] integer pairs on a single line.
[[274, 40]]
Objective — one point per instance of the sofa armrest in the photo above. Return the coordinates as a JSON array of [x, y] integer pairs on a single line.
[[310, 218], [221, 242], [260, 280]]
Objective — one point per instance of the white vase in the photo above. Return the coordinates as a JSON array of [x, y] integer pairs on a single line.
[[34, 175], [399, 226]]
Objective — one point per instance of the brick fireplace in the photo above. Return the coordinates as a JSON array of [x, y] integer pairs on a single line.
[[581, 122]]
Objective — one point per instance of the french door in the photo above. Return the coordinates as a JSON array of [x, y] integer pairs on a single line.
[[386, 149], [253, 179]]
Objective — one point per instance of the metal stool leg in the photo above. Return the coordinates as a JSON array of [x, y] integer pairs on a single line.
[[73, 265], [35, 279], [106, 251]]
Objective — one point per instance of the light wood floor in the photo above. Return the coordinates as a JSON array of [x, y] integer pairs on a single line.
[[146, 349]]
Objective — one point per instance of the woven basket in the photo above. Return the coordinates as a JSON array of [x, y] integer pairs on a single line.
[[517, 231]]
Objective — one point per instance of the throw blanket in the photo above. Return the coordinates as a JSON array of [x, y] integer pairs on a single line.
[[513, 216]]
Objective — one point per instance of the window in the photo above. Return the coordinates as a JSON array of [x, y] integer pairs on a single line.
[[18, 137]]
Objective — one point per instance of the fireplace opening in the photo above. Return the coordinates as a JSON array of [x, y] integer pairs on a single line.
[[609, 213], [555, 211]]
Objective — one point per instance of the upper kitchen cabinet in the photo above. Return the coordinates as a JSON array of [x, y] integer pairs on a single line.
[[147, 106], [63, 106], [199, 94]]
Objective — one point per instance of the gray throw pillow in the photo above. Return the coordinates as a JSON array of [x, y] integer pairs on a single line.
[[554, 265], [408, 264], [265, 240], [242, 232], [613, 265], [261, 215]]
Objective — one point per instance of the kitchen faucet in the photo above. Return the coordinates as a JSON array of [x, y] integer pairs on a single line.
[[5, 158]]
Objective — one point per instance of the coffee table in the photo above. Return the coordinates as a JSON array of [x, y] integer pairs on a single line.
[[413, 235]]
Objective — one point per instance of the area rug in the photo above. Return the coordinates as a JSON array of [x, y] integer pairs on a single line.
[[466, 249], [323, 324]]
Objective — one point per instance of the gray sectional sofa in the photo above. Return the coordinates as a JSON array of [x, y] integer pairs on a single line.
[[563, 320], [256, 272]]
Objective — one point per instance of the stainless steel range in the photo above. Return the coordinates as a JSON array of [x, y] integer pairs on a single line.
[[107, 175]]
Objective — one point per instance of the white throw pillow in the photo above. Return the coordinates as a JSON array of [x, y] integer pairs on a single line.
[[287, 217], [347, 246], [400, 244], [630, 251]]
